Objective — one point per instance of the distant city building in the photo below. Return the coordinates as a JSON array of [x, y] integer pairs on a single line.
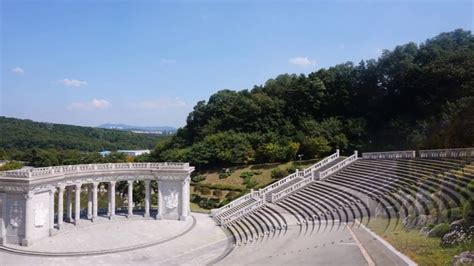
[[134, 153], [105, 153]]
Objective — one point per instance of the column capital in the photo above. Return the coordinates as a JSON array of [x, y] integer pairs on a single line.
[[51, 191], [130, 181], [78, 186], [28, 195], [61, 188]]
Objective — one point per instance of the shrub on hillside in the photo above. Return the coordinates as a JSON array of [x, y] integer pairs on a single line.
[[13, 165], [278, 173], [468, 212], [198, 178], [439, 230], [225, 173], [205, 191], [217, 193]]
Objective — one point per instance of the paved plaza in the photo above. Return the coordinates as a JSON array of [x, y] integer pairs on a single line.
[[133, 241], [197, 241]]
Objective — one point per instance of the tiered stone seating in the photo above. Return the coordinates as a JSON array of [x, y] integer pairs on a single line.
[[261, 225], [391, 187]]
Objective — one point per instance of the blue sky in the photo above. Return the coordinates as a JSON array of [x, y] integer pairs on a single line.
[[148, 62]]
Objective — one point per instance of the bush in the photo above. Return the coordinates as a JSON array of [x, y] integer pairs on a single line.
[[198, 178], [291, 169], [217, 193], [452, 215], [278, 173], [232, 195], [439, 230], [11, 166], [468, 213], [205, 191], [225, 173]]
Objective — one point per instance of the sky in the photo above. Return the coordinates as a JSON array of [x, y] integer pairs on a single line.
[[147, 63]]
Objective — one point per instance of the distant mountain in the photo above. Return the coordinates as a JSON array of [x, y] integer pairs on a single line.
[[160, 130]]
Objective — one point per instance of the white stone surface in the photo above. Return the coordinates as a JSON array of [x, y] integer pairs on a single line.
[[203, 243]]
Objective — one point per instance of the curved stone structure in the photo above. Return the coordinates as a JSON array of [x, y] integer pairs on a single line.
[[27, 197]]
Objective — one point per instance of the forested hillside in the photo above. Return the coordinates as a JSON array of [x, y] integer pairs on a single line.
[[43, 144], [26, 134], [414, 96]]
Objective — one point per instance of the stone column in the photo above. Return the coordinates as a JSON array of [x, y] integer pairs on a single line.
[[111, 191], [147, 198], [69, 204], [130, 198], [184, 213], [89, 202], [95, 204], [51, 211], [159, 215], [60, 206], [77, 201], [28, 223]]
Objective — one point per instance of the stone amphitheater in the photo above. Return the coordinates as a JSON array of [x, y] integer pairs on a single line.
[[316, 216]]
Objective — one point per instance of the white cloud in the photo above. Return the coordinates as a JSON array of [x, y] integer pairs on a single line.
[[168, 61], [17, 70], [72, 82], [94, 104], [164, 103], [301, 61]]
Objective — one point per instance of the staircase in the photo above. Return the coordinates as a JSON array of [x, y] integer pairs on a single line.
[[283, 187]]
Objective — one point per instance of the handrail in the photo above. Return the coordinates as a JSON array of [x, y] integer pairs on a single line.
[[443, 153], [52, 170], [273, 186], [389, 154], [338, 166], [281, 194], [248, 209], [321, 163]]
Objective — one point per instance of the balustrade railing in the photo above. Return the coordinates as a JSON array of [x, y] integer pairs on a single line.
[[389, 155], [338, 166], [308, 171], [444, 153], [45, 171], [244, 211], [287, 191], [261, 193]]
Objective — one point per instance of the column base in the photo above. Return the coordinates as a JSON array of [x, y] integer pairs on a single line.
[[111, 217], [89, 217], [25, 242], [130, 215], [146, 215], [52, 232], [183, 218], [76, 223], [60, 226], [93, 219], [159, 217]]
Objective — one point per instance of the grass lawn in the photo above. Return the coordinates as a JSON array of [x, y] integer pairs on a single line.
[[234, 180], [423, 250]]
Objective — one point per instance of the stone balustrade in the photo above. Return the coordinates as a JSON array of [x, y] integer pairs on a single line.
[[244, 211], [289, 190], [307, 173], [338, 166], [446, 153], [81, 168], [389, 155]]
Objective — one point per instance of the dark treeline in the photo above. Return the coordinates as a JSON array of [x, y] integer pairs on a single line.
[[46, 144], [415, 96]]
